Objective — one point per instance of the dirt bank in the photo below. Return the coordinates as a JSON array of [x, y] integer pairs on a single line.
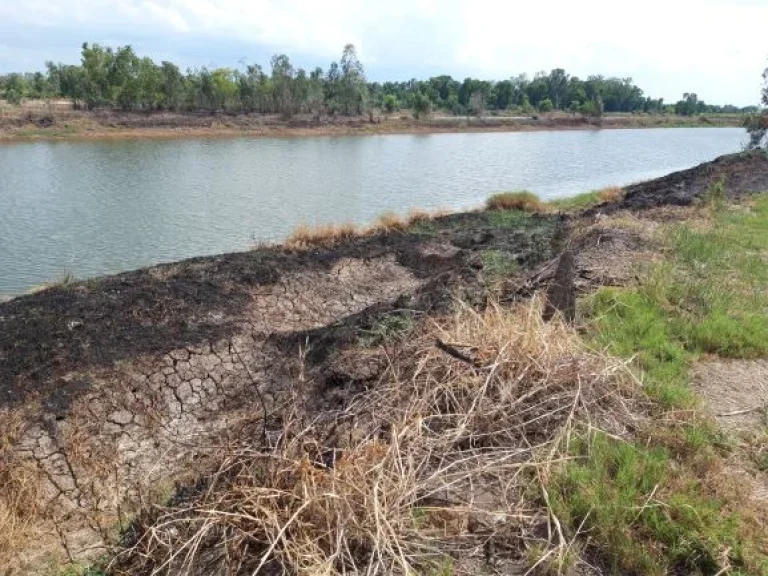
[[111, 388], [19, 125], [739, 174]]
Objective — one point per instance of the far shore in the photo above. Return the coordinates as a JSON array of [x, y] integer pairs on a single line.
[[19, 125]]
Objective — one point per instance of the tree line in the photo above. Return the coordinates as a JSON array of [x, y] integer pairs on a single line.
[[118, 78]]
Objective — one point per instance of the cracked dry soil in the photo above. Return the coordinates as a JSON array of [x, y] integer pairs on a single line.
[[109, 388]]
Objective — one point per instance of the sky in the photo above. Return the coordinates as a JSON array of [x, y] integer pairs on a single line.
[[716, 48]]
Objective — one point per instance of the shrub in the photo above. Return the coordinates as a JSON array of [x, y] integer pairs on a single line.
[[546, 105], [390, 103]]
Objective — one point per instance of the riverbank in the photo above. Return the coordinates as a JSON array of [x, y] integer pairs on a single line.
[[39, 123], [271, 409]]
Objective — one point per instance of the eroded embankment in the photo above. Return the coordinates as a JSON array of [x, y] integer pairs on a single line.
[[115, 389], [108, 385]]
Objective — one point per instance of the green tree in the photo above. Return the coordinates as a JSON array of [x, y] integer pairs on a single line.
[[689, 105], [757, 123], [15, 88], [546, 105], [477, 103], [422, 105], [282, 85], [96, 62], [558, 87], [354, 90], [390, 103], [172, 86]]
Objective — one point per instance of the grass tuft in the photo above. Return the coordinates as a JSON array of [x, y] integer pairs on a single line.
[[587, 199], [307, 236], [524, 201]]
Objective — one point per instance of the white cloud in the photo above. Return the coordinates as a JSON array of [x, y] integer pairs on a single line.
[[713, 47]]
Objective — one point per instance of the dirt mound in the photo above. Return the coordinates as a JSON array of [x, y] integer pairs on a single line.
[[742, 174]]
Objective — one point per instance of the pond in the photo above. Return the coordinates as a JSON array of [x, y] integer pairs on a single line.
[[93, 207]]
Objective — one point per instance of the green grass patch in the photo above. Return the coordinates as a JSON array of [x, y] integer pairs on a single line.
[[644, 515], [708, 297], [654, 507], [578, 202], [586, 200], [506, 219], [499, 264]]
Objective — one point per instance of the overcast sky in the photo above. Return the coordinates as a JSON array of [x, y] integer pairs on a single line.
[[716, 48]]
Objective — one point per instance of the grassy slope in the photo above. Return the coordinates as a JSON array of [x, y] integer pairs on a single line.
[[659, 506]]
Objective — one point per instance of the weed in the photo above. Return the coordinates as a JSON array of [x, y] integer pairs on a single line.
[[714, 197], [306, 236], [705, 299], [524, 201], [389, 327], [508, 219], [587, 199], [499, 264]]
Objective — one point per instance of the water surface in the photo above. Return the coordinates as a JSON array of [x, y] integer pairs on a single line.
[[89, 208]]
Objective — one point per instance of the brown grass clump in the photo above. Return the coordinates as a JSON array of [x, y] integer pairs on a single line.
[[20, 492], [611, 194], [416, 215], [441, 457], [305, 236], [525, 201], [389, 221]]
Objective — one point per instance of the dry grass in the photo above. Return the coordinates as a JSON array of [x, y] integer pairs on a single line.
[[388, 222], [525, 201], [306, 236], [435, 462], [20, 492], [611, 194]]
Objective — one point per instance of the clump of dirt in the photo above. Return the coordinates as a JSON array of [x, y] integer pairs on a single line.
[[742, 174]]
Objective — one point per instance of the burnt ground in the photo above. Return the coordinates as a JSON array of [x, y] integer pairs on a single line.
[[108, 386], [742, 174], [98, 322], [103, 379]]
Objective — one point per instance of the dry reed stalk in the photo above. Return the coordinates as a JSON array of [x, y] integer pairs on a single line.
[[442, 461]]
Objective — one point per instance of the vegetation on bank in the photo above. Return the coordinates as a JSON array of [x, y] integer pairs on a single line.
[[118, 78], [607, 472], [660, 504]]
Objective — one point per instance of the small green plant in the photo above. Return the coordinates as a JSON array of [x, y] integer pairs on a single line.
[[75, 569], [499, 264], [506, 219], [389, 327], [714, 197]]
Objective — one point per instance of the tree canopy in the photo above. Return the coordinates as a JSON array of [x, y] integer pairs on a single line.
[[119, 78], [757, 123]]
